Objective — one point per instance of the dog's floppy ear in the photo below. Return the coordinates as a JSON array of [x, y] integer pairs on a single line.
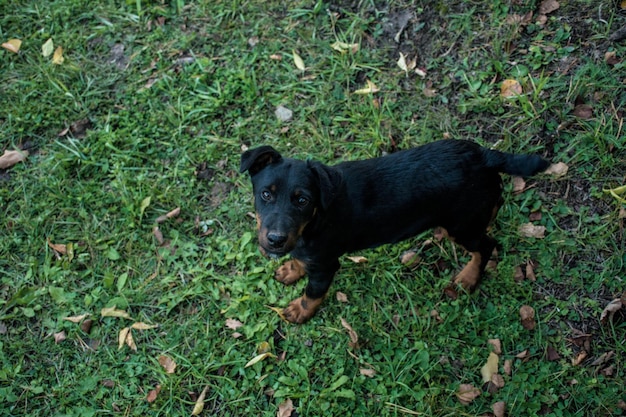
[[254, 160], [329, 180]]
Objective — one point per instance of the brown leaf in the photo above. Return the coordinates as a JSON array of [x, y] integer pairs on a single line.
[[519, 185], [496, 345], [435, 315], [551, 354], [10, 158], [527, 316], [59, 337], [557, 170], [354, 338], [285, 408], [233, 324], [534, 216], [548, 6], [108, 383], [370, 373], [496, 382], [358, 259], [169, 215], [507, 366], [530, 230], [341, 297], [610, 58], [530, 272], [583, 111], [158, 235], [610, 310], [467, 393], [510, 88], [579, 358], [518, 275], [167, 363], [499, 409], [409, 258], [523, 355], [603, 359], [153, 394]]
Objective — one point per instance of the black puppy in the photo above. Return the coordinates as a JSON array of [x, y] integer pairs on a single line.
[[318, 212]]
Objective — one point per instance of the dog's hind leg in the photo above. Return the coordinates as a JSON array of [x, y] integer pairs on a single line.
[[470, 276]]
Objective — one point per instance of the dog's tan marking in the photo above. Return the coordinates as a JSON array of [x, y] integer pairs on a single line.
[[469, 276], [301, 309], [290, 272]]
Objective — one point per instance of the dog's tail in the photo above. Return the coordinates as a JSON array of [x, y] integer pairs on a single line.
[[522, 165]]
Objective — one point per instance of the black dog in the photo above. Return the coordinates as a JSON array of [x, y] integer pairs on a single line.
[[318, 212]]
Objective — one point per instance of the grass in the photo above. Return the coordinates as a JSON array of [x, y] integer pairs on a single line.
[[167, 119]]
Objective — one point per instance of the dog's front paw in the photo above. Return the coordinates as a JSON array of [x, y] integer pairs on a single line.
[[290, 272], [301, 309]]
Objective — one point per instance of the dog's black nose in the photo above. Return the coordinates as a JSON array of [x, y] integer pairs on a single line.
[[276, 240]]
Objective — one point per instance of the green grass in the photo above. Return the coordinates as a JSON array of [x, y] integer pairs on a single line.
[[167, 123]]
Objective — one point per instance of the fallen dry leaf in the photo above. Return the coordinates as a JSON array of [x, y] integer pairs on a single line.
[[76, 319], [370, 373], [603, 359], [523, 354], [548, 6], [354, 338], [551, 354], [233, 324], [12, 45], [508, 363], [518, 275], [510, 88], [285, 408], [496, 345], [297, 60], [167, 363], [153, 394], [158, 235], [499, 409], [610, 310], [557, 170], [143, 326], [125, 336], [341, 297], [583, 111], [57, 58], [10, 158], [358, 259], [199, 405], [579, 358], [519, 185], [259, 358], [490, 367], [531, 230], [169, 215], [527, 316], [86, 325], [530, 272], [114, 312], [370, 89], [496, 382], [47, 48], [410, 258], [467, 393], [59, 337], [345, 47]]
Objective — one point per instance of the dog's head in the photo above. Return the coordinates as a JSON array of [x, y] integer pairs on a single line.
[[288, 194]]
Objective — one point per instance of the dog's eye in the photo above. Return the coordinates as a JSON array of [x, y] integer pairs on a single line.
[[266, 195], [302, 201]]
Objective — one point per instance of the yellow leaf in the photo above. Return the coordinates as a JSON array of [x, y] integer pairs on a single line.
[[121, 337], [199, 406], [12, 45], [345, 47], [76, 319], [402, 63], [259, 358], [143, 326], [371, 88], [510, 88], [617, 192], [47, 48], [490, 368], [298, 61], [57, 58], [130, 341], [114, 312]]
